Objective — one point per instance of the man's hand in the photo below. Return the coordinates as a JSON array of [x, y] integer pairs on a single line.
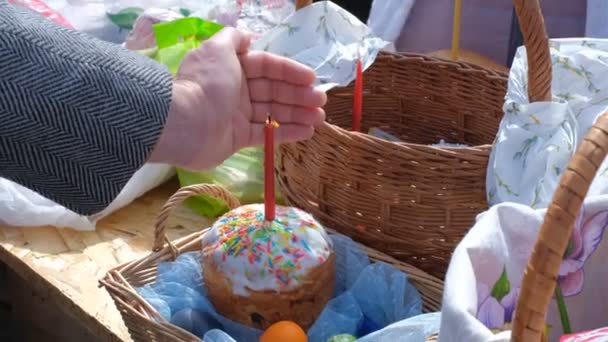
[[222, 95]]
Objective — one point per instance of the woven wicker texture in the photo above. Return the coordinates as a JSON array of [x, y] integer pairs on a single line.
[[146, 324], [540, 276], [411, 200]]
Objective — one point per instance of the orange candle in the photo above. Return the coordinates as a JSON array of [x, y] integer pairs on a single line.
[[269, 195], [456, 29], [358, 98]]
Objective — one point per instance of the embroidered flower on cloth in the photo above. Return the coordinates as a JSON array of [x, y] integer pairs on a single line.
[[586, 237], [492, 312]]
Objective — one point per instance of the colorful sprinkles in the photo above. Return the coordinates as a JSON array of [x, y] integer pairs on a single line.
[[267, 254]]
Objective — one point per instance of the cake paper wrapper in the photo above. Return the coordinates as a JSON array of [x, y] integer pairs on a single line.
[[328, 39], [368, 297]]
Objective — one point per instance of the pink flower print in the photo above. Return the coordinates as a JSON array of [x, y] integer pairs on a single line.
[[274, 3], [586, 236], [493, 313]]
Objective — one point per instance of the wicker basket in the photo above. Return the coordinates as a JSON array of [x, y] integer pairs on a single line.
[[145, 324], [411, 200], [540, 276]]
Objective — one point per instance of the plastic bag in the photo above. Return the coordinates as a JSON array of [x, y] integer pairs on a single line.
[[112, 20], [22, 207], [242, 174], [142, 35]]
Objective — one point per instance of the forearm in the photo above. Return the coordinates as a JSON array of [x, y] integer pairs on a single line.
[[78, 116]]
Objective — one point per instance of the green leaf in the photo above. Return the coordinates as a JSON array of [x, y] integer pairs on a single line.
[[126, 17], [502, 286], [185, 12], [563, 310]]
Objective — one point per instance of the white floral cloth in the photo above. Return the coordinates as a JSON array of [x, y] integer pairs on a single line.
[[485, 273], [532, 148], [536, 141], [327, 38]]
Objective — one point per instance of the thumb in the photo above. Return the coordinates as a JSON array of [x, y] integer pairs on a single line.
[[230, 36]]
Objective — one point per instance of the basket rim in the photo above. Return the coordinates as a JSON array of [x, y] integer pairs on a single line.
[[366, 138], [362, 137], [434, 60]]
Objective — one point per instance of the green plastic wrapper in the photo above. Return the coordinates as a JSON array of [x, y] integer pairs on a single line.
[[175, 38], [243, 173]]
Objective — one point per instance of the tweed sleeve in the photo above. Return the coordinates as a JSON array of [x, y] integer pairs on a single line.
[[78, 116]]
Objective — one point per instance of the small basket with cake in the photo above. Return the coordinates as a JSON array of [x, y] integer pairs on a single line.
[[236, 284], [415, 198], [260, 265]]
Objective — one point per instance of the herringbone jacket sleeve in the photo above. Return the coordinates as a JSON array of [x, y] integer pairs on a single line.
[[78, 116]]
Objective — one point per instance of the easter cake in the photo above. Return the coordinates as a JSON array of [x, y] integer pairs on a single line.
[[259, 272]]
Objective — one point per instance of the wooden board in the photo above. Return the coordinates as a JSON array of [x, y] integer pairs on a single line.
[[64, 265], [34, 317]]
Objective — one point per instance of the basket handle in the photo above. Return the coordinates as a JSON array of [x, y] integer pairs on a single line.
[[176, 199], [540, 276], [532, 26], [302, 3]]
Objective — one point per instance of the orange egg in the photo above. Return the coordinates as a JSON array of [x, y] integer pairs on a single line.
[[284, 331]]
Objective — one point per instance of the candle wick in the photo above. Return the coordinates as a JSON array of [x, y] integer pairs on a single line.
[[271, 122]]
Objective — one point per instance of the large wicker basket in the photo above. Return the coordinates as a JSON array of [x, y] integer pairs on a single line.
[[540, 277], [411, 200], [541, 273], [145, 324]]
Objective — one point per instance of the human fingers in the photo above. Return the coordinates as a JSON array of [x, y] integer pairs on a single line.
[[229, 36], [285, 133], [260, 64], [266, 90], [285, 114]]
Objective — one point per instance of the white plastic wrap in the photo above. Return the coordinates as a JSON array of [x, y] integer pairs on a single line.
[[20, 206]]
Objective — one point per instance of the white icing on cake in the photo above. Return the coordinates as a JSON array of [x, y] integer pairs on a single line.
[[258, 255]]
